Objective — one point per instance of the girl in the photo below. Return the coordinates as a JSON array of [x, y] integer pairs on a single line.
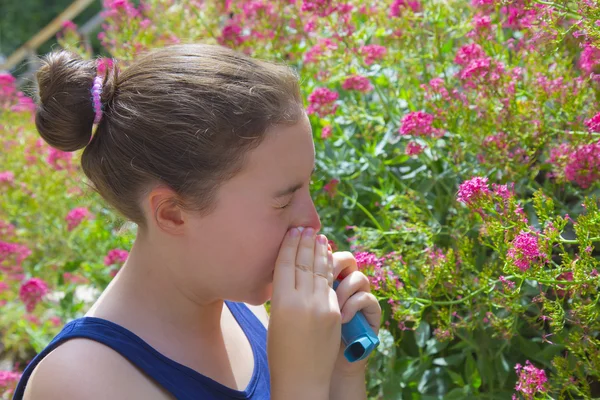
[[210, 153]]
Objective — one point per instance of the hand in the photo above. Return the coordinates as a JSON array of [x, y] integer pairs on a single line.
[[353, 294], [305, 323]]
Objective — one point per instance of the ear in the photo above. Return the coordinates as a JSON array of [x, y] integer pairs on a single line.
[[166, 211]]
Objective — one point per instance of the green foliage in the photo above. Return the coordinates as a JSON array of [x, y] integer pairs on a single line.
[[459, 173]]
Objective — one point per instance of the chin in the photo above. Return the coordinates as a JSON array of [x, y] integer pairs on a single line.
[[260, 296]]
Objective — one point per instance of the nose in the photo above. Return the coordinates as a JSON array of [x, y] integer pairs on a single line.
[[308, 216]]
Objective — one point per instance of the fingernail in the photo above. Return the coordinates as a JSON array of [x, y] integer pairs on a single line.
[[322, 239], [294, 232], [308, 232]]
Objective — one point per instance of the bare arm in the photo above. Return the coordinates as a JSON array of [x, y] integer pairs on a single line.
[[348, 388], [84, 369]]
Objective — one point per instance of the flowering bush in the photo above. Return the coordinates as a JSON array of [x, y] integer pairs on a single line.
[[462, 142]]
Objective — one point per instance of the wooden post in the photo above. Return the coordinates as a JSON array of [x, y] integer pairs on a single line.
[[42, 36]]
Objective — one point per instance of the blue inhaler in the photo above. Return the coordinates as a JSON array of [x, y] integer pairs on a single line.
[[358, 336]]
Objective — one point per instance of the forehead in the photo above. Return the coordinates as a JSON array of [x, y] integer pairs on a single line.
[[287, 153]]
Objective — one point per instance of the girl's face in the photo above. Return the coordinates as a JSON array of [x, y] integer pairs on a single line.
[[231, 252]]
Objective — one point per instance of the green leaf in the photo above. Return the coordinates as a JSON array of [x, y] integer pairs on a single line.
[[452, 360], [71, 266], [434, 346], [457, 378], [422, 334], [472, 373]]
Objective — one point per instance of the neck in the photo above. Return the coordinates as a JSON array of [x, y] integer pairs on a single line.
[[147, 296]]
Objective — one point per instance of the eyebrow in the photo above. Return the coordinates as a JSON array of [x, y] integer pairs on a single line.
[[293, 188]]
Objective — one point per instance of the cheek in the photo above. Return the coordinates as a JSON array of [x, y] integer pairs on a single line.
[[262, 248]]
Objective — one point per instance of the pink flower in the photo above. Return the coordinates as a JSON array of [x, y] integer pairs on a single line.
[[593, 125], [6, 229], [372, 53], [482, 22], [7, 177], [525, 250], [24, 103], [357, 82], [32, 291], [118, 8], [116, 256], [254, 7], [468, 53], [7, 86], [418, 123], [374, 265], [413, 149], [583, 166], [506, 283], [590, 59], [145, 23], [366, 259], [321, 7], [69, 277], [472, 190], [324, 47], [398, 6], [59, 159], [231, 34], [326, 132], [17, 253], [69, 25], [321, 102], [435, 256], [436, 89], [8, 382], [76, 216], [331, 187], [531, 380], [503, 191]]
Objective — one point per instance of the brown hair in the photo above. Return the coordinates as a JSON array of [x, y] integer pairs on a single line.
[[183, 115]]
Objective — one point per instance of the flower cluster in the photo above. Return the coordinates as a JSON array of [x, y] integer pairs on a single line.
[[116, 256], [76, 216], [472, 190], [531, 381], [32, 292], [418, 123], [322, 102], [525, 251]]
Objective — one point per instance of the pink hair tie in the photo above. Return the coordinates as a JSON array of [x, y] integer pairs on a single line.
[[96, 92], [102, 65]]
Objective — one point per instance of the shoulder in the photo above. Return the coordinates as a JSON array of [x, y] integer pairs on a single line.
[[261, 313], [68, 372]]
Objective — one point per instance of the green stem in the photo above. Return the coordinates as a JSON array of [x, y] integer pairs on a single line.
[[575, 241], [490, 287], [369, 215]]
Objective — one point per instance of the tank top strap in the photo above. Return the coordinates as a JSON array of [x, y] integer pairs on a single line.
[[182, 382]]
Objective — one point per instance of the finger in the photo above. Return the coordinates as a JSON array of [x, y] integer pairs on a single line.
[[353, 283], [321, 266], [305, 261], [284, 275], [330, 265], [344, 264], [366, 303]]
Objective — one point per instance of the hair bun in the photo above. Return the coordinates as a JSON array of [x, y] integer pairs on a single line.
[[65, 114]]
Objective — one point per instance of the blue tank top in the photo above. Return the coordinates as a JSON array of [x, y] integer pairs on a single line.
[[182, 382]]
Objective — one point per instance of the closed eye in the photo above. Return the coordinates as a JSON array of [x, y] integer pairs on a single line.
[[285, 205]]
